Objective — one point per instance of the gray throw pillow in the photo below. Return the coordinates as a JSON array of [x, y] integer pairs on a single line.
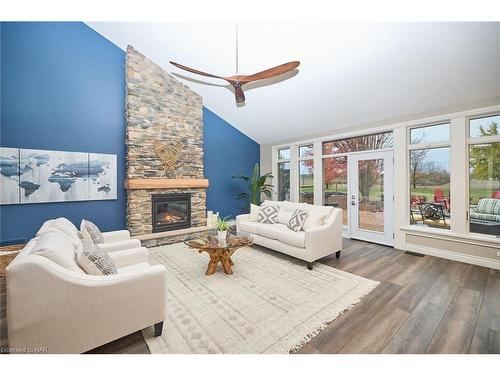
[[268, 214], [297, 220], [90, 231], [94, 260]]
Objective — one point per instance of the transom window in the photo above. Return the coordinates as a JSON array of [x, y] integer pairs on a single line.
[[363, 143]]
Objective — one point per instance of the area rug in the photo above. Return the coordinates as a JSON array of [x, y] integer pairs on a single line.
[[268, 305]]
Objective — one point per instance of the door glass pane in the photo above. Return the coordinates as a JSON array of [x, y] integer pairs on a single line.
[[284, 181], [484, 126], [306, 181], [430, 134], [430, 200], [371, 194], [484, 188], [335, 184]]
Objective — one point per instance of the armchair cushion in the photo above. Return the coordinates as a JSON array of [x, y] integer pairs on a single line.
[[120, 245], [94, 260], [117, 235], [129, 257], [90, 231], [57, 247]]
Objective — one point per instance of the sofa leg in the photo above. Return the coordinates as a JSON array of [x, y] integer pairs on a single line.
[[310, 266], [337, 254], [158, 329]]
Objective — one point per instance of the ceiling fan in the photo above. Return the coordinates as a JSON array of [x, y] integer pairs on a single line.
[[237, 80]]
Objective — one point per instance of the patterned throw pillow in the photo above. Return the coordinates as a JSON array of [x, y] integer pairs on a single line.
[[94, 260], [297, 220], [268, 214], [90, 231]]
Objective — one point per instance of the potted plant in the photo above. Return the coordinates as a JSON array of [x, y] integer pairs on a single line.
[[222, 226], [257, 185]]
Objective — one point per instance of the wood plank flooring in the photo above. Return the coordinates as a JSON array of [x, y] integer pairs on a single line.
[[422, 305]]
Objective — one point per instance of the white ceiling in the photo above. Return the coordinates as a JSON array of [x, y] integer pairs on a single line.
[[350, 74]]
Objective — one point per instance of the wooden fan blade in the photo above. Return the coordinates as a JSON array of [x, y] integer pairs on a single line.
[[238, 93], [194, 70], [269, 73]]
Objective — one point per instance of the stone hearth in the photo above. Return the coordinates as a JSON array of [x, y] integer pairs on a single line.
[[160, 108]]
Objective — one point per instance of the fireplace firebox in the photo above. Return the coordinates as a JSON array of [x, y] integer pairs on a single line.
[[171, 211]]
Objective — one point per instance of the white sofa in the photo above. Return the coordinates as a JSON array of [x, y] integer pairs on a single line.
[[113, 241], [322, 234], [61, 309]]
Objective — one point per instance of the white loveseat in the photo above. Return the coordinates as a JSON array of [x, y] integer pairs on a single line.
[[322, 234], [58, 308]]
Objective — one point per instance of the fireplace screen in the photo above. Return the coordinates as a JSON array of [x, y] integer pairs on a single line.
[[171, 211]]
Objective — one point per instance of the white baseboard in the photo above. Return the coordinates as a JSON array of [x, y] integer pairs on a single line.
[[459, 257]]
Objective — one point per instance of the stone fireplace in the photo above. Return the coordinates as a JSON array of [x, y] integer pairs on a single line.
[[161, 111]]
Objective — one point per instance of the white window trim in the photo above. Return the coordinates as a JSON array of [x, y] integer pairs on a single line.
[[469, 141]]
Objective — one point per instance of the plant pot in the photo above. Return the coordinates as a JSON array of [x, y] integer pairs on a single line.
[[221, 235]]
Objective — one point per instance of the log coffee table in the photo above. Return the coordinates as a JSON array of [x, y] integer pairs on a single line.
[[219, 251]]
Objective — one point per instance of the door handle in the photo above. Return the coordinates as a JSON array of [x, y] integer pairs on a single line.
[[353, 200]]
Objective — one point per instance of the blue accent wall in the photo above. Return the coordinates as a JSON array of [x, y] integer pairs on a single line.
[[227, 152], [63, 88]]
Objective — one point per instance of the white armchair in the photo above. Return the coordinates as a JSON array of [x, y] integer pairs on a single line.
[[113, 241], [59, 310]]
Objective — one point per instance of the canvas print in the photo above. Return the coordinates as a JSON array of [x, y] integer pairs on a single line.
[[53, 176], [102, 176], [9, 175]]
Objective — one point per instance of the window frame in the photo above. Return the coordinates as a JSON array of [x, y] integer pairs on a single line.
[[424, 146], [472, 141]]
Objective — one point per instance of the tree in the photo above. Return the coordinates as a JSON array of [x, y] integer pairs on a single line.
[[485, 158], [370, 172], [417, 161], [335, 171]]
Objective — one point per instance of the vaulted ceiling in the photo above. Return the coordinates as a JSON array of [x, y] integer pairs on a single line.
[[350, 74]]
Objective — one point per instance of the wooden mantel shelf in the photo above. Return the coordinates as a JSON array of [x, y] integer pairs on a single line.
[[166, 183]]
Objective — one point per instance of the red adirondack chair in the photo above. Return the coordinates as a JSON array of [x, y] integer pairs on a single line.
[[496, 194], [438, 196]]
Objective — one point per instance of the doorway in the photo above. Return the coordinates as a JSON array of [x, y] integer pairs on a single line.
[[371, 196]]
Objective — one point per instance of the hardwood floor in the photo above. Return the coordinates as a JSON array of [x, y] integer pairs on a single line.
[[422, 305]]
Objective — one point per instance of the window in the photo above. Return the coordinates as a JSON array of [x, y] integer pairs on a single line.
[[306, 151], [430, 134], [284, 181], [430, 200], [283, 174], [335, 184], [484, 175], [362, 143], [284, 153], [306, 173]]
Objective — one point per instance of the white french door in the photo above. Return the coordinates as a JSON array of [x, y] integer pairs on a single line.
[[371, 196]]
